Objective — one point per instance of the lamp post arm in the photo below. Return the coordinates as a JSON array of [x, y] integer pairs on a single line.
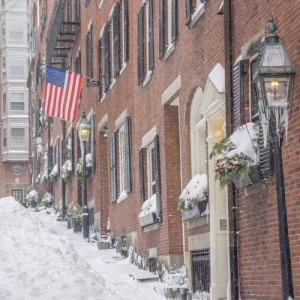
[[285, 259]]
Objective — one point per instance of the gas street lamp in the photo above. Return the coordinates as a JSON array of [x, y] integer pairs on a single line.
[[39, 144], [274, 82], [84, 133]]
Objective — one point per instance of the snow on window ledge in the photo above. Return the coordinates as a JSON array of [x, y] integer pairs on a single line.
[[112, 83], [123, 68], [103, 97], [122, 197], [149, 206], [199, 12], [169, 51], [147, 79]]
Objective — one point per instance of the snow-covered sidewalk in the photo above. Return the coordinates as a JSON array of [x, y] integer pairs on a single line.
[[41, 259]]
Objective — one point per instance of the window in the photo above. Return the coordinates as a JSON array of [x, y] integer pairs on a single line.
[[16, 31], [16, 66], [17, 101], [125, 31], [149, 169], [194, 10], [145, 34], [87, 2], [89, 53], [91, 147], [4, 132], [168, 25], [120, 158], [78, 62], [17, 137], [198, 126], [4, 107], [99, 45]]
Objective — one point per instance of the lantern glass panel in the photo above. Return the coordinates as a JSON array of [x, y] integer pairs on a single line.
[[277, 91], [275, 56], [84, 132]]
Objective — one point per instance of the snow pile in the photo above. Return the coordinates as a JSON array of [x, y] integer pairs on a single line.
[[41, 259], [54, 171], [149, 206], [194, 192], [177, 279]]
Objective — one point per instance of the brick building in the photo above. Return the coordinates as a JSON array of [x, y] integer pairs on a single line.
[[157, 93]]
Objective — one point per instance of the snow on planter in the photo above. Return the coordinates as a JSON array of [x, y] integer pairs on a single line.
[[236, 154], [194, 192], [89, 160], [149, 206], [147, 215]]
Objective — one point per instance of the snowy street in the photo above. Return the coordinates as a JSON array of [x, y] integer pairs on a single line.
[[41, 259]]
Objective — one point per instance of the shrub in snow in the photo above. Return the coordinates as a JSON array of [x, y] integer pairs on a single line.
[[66, 170], [32, 197], [47, 200], [53, 173], [194, 192], [236, 154], [76, 213]]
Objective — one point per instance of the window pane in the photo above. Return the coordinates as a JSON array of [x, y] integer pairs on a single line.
[[17, 101], [4, 103], [17, 136], [17, 106], [16, 66], [16, 31]]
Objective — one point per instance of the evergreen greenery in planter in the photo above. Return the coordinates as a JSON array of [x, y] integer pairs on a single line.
[[32, 198], [236, 154], [53, 174], [67, 171], [47, 200], [79, 170], [194, 198]]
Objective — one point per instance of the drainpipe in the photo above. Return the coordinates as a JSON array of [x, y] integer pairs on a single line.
[[232, 224]]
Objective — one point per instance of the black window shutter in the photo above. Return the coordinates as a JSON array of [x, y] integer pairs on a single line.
[[174, 20], [162, 42], [79, 62], [116, 41], [51, 157], [266, 159], [91, 50], [142, 182], [72, 153], [238, 93], [157, 178], [188, 11], [106, 58], [87, 58], [151, 35], [141, 72], [126, 31], [113, 167], [99, 69], [92, 149], [127, 144]]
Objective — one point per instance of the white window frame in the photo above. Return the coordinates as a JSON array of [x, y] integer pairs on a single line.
[[123, 37], [150, 168], [122, 158]]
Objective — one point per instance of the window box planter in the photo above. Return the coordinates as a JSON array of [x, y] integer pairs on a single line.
[[253, 177], [148, 219], [77, 227], [195, 212]]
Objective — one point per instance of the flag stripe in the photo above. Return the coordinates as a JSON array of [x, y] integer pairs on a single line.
[[62, 91]]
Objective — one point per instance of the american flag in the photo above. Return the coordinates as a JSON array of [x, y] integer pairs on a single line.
[[62, 92]]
